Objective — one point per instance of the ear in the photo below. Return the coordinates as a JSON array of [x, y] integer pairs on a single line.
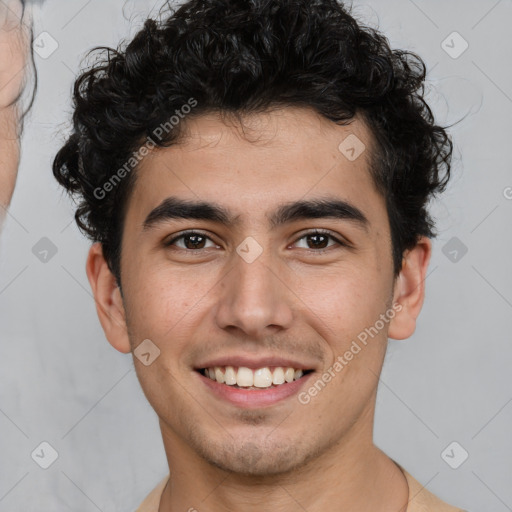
[[109, 303], [409, 290]]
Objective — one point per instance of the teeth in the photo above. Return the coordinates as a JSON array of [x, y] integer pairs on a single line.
[[219, 376], [263, 378], [244, 377], [230, 375], [248, 378], [278, 377]]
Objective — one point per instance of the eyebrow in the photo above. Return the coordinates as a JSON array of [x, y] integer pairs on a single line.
[[332, 208]]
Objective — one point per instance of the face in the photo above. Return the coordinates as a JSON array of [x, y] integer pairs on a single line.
[[14, 53], [260, 283]]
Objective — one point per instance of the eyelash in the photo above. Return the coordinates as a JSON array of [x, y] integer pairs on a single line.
[[311, 233]]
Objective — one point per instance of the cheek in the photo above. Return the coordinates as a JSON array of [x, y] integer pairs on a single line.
[[345, 304], [341, 291], [162, 303]]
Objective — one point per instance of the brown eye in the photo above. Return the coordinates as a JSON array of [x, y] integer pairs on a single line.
[[192, 240], [318, 241]]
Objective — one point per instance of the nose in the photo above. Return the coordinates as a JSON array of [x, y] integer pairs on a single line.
[[254, 298]]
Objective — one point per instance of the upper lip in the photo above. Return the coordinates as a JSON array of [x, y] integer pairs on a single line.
[[254, 363]]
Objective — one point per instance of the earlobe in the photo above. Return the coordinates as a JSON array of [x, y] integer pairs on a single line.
[[409, 291], [109, 303]]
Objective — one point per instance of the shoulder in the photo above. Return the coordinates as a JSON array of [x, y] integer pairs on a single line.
[[152, 501], [422, 500]]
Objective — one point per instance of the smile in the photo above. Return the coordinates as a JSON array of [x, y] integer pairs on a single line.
[[248, 378], [253, 388]]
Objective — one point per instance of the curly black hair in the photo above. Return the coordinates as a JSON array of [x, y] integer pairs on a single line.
[[246, 56]]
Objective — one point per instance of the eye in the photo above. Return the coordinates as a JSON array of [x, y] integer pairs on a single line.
[[195, 240], [319, 238], [192, 240]]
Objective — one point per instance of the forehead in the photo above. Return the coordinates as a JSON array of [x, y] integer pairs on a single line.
[[271, 158]]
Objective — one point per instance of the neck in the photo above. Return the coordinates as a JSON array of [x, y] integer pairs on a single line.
[[353, 473]]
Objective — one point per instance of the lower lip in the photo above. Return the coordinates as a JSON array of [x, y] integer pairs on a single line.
[[253, 398]]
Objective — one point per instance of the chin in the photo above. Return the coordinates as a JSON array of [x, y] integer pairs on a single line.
[[253, 459]]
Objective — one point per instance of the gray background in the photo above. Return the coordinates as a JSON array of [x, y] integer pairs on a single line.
[[64, 384]]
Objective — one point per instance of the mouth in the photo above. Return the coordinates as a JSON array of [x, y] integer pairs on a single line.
[[252, 388], [253, 379]]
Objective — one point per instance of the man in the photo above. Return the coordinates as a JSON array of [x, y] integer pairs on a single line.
[[255, 176], [15, 58]]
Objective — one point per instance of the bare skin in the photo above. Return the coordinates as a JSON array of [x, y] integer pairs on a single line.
[[14, 57], [195, 303]]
